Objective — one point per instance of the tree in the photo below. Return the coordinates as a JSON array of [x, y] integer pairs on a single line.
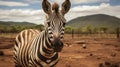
[[40, 27], [87, 29], [95, 30], [68, 29], [104, 29]]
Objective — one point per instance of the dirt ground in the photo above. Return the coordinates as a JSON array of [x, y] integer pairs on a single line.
[[99, 52]]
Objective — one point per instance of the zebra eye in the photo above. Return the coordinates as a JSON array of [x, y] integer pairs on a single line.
[[61, 37], [48, 24], [64, 24]]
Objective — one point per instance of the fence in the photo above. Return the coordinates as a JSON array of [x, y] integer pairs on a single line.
[[78, 34]]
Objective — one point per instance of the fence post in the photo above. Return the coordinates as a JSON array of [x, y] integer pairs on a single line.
[[72, 33], [117, 32]]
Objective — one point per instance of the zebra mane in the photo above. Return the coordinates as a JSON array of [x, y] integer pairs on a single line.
[[55, 7]]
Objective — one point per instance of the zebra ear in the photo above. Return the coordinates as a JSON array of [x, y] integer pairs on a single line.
[[46, 6], [65, 7]]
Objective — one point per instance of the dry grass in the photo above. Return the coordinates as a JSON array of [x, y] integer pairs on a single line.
[[79, 36], [13, 35], [8, 35]]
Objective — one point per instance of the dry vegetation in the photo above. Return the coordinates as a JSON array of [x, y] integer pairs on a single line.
[[96, 50]]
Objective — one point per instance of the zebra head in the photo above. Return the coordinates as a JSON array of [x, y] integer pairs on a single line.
[[55, 22]]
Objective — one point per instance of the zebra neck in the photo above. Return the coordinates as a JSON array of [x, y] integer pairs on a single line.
[[45, 54], [46, 48]]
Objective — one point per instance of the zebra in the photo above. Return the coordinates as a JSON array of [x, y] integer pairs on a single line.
[[34, 48]]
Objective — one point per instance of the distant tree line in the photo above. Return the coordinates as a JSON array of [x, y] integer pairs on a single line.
[[16, 29], [91, 30], [68, 29]]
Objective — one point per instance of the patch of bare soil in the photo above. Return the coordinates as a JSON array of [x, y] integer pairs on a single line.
[[87, 52]]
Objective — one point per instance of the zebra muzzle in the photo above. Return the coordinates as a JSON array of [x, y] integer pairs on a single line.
[[58, 45]]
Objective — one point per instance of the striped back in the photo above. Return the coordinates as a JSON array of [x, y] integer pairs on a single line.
[[21, 42]]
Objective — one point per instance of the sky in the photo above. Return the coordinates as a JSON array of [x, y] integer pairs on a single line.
[[31, 10]]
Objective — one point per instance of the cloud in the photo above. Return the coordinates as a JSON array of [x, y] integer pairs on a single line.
[[34, 16], [12, 3], [33, 1], [87, 1], [89, 8], [38, 16]]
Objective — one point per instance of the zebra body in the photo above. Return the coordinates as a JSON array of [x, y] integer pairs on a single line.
[[35, 54], [40, 49]]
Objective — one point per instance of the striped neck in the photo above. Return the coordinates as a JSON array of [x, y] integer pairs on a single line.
[[46, 54], [46, 48]]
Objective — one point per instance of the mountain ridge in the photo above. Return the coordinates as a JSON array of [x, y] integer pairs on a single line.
[[96, 20]]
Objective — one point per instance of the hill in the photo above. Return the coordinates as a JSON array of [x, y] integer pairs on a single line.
[[11, 23], [97, 20], [13, 27]]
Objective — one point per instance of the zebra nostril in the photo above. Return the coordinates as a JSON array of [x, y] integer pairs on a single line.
[[61, 37], [51, 37], [62, 33]]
